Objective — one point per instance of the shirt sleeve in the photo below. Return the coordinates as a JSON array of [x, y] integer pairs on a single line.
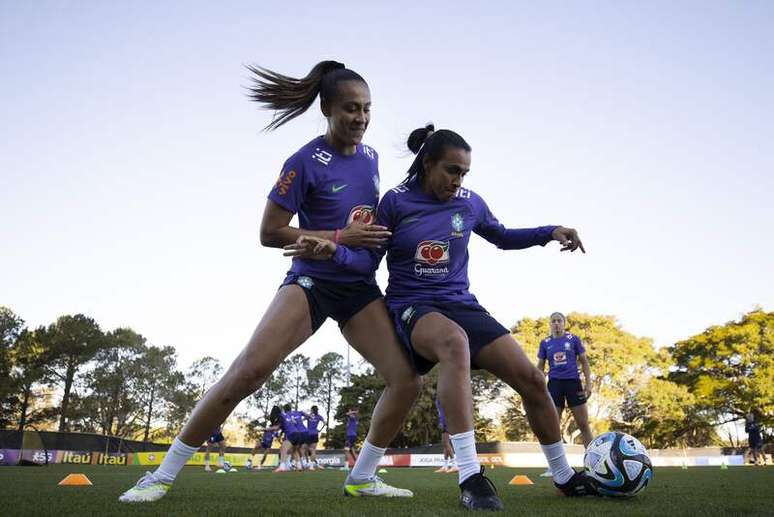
[[292, 186], [579, 349], [542, 351], [488, 227]]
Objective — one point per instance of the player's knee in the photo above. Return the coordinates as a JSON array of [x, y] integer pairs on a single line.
[[453, 349], [535, 385], [246, 379]]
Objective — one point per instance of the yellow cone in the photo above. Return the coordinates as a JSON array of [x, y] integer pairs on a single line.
[[521, 480], [75, 480]]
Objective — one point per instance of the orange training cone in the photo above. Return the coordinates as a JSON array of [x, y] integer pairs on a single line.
[[75, 480], [521, 480]]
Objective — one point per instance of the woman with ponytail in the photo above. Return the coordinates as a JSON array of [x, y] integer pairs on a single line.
[[431, 217], [332, 183]]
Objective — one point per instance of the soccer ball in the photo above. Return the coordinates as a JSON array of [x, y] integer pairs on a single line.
[[228, 467], [618, 464]]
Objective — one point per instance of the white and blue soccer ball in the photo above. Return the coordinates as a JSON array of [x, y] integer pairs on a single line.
[[618, 463], [228, 467]]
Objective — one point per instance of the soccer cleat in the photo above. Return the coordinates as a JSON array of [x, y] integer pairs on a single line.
[[149, 488], [441, 470], [453, 468], [374, 488], [547, 474], [578, 485], [479, 493], [207, 468]]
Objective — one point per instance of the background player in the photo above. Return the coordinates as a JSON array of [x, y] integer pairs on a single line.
[[350, 441], [448, 450], [564, 351], [313, 422], [216, 438], [269, 433]]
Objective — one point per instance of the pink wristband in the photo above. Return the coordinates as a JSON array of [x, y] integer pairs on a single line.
[[336, 236]]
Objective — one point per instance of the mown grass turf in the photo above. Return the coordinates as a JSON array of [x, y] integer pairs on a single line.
[[697, 491]]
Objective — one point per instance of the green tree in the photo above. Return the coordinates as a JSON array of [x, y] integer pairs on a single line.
[[729, 368], [362, 393], [189, 389], [28, 376], [298, 366], [662, 414], [514, 421], [156, 383], [11, 327], [324, 381], [70, 343], [110, 403], [202, 374]]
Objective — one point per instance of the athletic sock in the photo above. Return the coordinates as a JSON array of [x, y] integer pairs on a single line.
[[367, 462], [220, 461], [557, 462], [465, 451], [177, 456]]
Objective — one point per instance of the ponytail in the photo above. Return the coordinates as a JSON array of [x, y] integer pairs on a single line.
[[290, 97]]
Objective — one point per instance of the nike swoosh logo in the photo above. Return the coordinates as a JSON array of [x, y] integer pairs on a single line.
[[335, 189]]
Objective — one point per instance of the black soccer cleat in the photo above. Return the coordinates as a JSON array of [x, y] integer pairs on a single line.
[[579, 485], [479, 493]]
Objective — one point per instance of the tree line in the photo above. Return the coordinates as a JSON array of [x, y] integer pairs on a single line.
[[73, 376]]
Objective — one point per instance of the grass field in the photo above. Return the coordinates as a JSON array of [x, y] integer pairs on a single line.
[[697, 491]]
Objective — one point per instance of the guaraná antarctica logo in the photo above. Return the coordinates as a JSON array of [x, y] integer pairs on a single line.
[[361, 214], [432, 253]]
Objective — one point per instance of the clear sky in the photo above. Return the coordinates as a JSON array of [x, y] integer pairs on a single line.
[[134, 172]]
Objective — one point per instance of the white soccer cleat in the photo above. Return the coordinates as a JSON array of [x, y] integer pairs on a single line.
[[207, 468], [148, 489], [375, 488], [440, 470], [547, 474]]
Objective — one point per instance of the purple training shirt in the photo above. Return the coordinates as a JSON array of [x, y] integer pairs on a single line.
[[562, 353], [328, 191], [427, 256]]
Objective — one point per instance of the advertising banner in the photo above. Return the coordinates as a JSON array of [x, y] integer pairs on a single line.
[[9, 456]]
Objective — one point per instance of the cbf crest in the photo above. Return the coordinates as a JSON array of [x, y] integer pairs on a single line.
[[458, 224]]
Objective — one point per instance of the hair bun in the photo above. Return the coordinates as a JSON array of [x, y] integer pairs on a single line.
[[330, 66], [419, 136]]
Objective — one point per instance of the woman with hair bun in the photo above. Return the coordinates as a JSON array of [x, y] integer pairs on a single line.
[[431, 217], [332, 183]]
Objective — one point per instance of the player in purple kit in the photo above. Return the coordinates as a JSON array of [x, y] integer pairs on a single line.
[[295, 438], [448, 450], [269, 433], [313, 421], [564, 351], [332, 183], [440, 322], [217, 439], [351, 437]]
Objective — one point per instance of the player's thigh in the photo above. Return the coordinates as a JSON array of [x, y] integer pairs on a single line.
[[580, 413], [371, 332], [436, 337], [285, 325], [505, 359]]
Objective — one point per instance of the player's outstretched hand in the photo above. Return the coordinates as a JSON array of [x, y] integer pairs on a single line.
[[568, 238], [359, 235], [310, 247]]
